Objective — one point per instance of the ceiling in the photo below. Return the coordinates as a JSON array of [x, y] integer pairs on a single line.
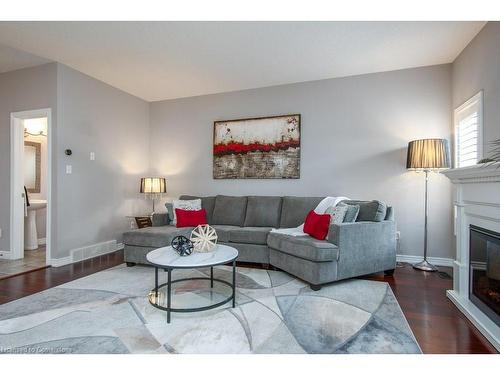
[[166, 60], [13, 59]]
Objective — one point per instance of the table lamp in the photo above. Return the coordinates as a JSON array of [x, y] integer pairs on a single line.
[[427, 155], [153, 188]]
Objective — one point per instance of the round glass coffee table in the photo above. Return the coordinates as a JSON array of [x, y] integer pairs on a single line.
[[168, 259]]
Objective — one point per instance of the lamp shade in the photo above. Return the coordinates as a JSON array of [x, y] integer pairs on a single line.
[[428, 154], [153, 185]]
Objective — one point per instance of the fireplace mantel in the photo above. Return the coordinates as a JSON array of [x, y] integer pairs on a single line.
[[477, 202], [476, 174]]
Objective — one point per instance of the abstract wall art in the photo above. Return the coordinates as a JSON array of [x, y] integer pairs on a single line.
[[266, 147]]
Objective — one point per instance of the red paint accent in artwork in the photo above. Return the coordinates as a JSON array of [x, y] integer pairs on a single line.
[[241, 148]]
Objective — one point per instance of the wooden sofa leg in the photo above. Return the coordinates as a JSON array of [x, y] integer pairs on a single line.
[[389, 272], [315, 287], [130, 264]]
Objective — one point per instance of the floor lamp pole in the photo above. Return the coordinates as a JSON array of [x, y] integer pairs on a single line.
[[425, 265]]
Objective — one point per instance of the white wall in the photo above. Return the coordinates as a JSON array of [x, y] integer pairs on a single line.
[[355, 131], [478, 68], [93, 201], [20, 90]]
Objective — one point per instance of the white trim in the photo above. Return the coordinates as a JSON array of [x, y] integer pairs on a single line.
[[488, 172], [4, 254], [87, 252], [42, 241], [16, 187], [58, 262], [17, 205], [489, 329], [437, 261], [478, 98]]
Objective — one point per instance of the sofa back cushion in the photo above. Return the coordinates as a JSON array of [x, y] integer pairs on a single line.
[[207, 203], [229, 210], [295, 209], [389, 214], [263, 211], [369, 210]]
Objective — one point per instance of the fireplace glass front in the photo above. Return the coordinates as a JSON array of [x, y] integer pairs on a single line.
[[484, 262]]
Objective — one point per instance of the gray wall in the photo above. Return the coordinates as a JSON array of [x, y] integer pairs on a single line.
[[93, 201], [476, 68], [20, 90], [90, 204], [354, 136]]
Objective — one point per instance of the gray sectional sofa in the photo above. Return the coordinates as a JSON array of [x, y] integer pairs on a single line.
[[365, 246]]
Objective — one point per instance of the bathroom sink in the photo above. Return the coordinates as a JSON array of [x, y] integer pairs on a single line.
[[30, 230], [36, 204]]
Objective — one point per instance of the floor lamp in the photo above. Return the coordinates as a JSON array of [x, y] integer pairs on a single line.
[[427, 155]]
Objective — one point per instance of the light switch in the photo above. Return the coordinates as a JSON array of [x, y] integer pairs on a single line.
[[69, 169], [92, 155]]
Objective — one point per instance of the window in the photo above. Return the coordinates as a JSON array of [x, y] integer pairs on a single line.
[[469, 132]]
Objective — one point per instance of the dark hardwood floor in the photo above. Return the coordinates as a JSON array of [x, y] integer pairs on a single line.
[[437, 324], [25, 284]]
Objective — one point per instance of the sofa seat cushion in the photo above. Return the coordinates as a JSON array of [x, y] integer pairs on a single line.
[[253, 235], [223, 231], [304, 247], [154, 236]]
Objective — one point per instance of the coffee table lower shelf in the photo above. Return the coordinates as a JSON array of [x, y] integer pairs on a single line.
[[153, 295]]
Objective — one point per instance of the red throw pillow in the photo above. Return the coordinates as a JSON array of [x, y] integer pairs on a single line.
[[316, 225], [189, 218]]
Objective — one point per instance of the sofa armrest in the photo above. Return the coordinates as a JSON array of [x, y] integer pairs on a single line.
[[364, 247], [159, 220]]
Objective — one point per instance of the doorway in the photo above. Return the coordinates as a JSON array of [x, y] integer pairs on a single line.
[[30, 202]]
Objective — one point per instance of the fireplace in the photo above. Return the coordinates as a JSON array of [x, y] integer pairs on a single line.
[[476, 268], [484, 263]]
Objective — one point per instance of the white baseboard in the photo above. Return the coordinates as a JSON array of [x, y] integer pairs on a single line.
[[58, 262], [42, 241], [437, 261], [87, 252], [4, 254]]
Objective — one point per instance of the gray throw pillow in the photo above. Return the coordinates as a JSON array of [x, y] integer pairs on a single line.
[[369, 210], [352, 213], [337, 213], [170, 211]]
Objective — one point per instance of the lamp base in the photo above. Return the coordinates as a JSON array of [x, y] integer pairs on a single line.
[[425, 266]]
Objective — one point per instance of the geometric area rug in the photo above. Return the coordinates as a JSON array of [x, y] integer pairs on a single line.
[[109, 312]]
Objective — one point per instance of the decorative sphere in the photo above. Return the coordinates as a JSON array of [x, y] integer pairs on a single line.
[[204, 238], [182, 245]]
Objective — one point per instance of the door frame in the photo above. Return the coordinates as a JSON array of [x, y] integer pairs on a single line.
[[17, 182]]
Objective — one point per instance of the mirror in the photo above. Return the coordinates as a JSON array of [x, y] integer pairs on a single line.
[[32, 157]]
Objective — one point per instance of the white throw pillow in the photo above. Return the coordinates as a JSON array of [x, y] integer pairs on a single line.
[[192, 205], [337, 213]]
